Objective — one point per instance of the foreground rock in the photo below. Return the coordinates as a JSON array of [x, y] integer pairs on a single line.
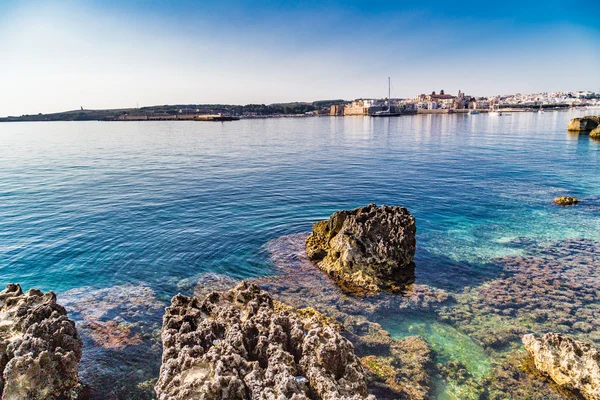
[[583, 124], [40, 348], [240, 344], [595, 133], [571, 364], [366, 249], [566, 201]]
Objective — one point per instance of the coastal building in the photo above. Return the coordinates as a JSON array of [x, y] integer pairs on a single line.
[[364, 107], [336, 109]]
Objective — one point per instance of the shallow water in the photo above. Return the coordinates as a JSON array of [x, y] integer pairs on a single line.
[[447, 342], [158, 204]]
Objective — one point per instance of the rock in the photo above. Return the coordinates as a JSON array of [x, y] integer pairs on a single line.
[[240, 344], [595, 133], [583, 124], [40, 348], [566, 201], [366, 249], [570, 363]]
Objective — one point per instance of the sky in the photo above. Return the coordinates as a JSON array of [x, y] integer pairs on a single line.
[[63, 55]]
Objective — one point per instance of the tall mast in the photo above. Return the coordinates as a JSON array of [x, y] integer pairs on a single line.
[[389, 89]]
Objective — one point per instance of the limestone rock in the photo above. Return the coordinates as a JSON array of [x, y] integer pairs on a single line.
[[566, 201], [595, 133], [571, 364], [583, 124], [39, 347], [241, 344], [366, 249]]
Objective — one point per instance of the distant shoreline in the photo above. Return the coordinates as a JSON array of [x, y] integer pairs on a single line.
[[210, 118]]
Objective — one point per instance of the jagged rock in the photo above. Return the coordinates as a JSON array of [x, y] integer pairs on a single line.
[[240, 344], [583, 124], [366, 249], [595, 133], [570, 363], [566, 201], [39, 347]]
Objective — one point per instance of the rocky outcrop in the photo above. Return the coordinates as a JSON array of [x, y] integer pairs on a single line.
[[571, 364], [566, 201], [584, 124], [240, 344], [595, 133], [40, 348], [366, 249]]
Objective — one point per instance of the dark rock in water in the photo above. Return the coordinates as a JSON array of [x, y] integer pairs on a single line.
[[566, 201], [39, 347], [120, 328], [242, 344], [366, 249], [583, 124], [571, 364]]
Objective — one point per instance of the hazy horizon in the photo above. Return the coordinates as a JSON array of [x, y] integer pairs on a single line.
[[58, 56]]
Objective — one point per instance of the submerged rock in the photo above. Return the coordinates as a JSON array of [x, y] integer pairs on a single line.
[[120, 328], [566, 201], [583, 124], [240, 344], [366, 249], [401, 372], [570, 363], [39, 347]]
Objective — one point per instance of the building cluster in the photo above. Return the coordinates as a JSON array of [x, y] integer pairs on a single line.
[[571, 99], [443, 102], [433, 101]]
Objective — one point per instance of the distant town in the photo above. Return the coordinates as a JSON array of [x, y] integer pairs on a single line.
[[432, 103], [441, 102]]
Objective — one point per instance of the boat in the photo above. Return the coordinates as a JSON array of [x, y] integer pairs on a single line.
[[473, 112], [388, 112], [541, 110]]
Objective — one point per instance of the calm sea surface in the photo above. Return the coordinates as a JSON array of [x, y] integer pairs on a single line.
[[157, 203]]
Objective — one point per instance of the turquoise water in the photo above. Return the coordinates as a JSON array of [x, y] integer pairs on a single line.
[[448, 343], [157, 203]]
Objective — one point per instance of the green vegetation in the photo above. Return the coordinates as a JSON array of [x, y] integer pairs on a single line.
[[295, 108]]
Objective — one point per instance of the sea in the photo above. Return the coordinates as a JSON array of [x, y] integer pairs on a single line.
[[89, 206]]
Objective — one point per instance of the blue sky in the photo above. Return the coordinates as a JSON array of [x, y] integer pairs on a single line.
[[58, 55]]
